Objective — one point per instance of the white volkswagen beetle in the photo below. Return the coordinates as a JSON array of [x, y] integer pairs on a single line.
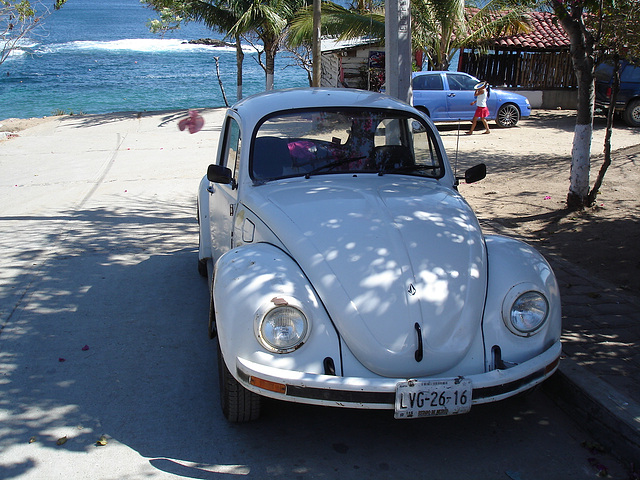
[[347, 270]]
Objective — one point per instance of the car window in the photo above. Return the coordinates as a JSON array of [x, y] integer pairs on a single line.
[[630, 74], [603, 72], [428, 82], [460, 82], [232, 143], [344, 141]]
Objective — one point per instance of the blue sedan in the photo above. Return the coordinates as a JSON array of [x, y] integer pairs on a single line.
[[447, 96]]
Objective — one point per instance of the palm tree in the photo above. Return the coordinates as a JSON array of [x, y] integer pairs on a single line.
[[442, 27], [439, 27], [218, 15], [221, 16], [337, 22], [267, 20], [264, 19]]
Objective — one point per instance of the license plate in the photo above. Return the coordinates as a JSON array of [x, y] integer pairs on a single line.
[[415, 399]]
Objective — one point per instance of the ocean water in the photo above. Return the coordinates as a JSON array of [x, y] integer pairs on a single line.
[[96, 56]]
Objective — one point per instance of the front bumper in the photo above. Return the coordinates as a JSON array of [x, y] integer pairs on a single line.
[[379, 392]]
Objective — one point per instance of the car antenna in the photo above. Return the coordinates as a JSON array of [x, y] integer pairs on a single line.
[[455, 163]]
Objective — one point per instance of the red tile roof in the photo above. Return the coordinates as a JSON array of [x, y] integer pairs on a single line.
[[545, 35]]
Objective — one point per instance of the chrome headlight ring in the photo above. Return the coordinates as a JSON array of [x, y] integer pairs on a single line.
[[281, 326], [525, 309]]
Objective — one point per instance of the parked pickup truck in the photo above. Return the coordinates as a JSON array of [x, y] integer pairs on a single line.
[[628, 100]]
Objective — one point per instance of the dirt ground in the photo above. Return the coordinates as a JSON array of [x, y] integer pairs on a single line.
[[526, 187], [524, 194]]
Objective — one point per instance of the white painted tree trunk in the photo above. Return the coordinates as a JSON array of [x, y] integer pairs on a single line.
[[581, 160]]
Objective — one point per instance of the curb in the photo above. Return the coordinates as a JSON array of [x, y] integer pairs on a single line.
[[609, 415]]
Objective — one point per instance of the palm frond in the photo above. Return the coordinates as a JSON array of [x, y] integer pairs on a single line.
[[337, 22]]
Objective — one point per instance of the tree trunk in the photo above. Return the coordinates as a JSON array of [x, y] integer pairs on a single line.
[[607, 138], [270, 50], [224, 95], [583, 64], [239, 60]]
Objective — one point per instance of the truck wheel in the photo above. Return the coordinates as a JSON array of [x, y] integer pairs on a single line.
[[238, 404], [631, 114]]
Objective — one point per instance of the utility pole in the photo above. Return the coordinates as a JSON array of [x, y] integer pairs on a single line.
[[316, 45], [398, 49]]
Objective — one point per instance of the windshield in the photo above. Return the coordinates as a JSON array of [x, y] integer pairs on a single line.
[[306, 143]]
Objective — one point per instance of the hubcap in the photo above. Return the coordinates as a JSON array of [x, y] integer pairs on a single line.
[[508, 116]]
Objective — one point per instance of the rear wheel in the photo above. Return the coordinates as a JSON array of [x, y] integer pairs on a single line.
[[631, 114], [508, 115], [238, 404]]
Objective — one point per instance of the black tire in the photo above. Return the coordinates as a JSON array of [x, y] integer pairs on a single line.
[[202, 267], [423, 110], [631, 114], [213, 330], [238, 404], [202, 264], [508, 116]]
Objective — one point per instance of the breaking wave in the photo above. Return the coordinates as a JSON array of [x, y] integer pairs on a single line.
[[147, 45]]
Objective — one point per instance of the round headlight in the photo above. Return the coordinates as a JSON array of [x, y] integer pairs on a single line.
[[528, 312], [283, 329]]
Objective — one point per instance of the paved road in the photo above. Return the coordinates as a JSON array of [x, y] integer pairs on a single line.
[[103, 332]]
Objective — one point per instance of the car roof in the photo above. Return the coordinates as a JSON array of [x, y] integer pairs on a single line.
[[257, 106], [433, 72]]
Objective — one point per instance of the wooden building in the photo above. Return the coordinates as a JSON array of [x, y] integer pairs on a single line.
[[357, 63], [538, 60]]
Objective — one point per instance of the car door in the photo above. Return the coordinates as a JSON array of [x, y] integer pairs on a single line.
[[460, 95], [428, 92], [223, 199]]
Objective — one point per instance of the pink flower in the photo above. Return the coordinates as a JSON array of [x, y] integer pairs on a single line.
[[194, 122], [548, 197]]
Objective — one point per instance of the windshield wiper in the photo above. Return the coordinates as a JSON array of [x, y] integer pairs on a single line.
[[334, 164], [407, 168]]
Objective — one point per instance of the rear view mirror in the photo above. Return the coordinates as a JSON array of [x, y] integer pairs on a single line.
[[475, 173], [219, 174]]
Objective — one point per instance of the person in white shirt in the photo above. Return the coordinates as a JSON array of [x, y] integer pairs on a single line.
[[482, 112]]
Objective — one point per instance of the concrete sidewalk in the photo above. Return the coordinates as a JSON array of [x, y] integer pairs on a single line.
[[599, 378], [598, 381]]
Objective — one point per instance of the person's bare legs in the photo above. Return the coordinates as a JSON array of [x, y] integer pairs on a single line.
[[473, 125], [486, 125]]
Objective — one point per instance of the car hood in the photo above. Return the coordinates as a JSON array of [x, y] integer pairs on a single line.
[[391, 258]]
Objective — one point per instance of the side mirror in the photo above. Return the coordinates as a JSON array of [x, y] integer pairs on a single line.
[[475, 173], [219, 174]]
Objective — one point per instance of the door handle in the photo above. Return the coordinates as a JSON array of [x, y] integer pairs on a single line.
[[451, 95], [210, 189]]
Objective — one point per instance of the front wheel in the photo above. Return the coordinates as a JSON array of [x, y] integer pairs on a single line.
[[508, 115], [213, 330], [238, 404], [631, 114]]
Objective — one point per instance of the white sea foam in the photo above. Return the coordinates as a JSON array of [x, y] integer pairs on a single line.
[[22, 47], [150, 45]]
